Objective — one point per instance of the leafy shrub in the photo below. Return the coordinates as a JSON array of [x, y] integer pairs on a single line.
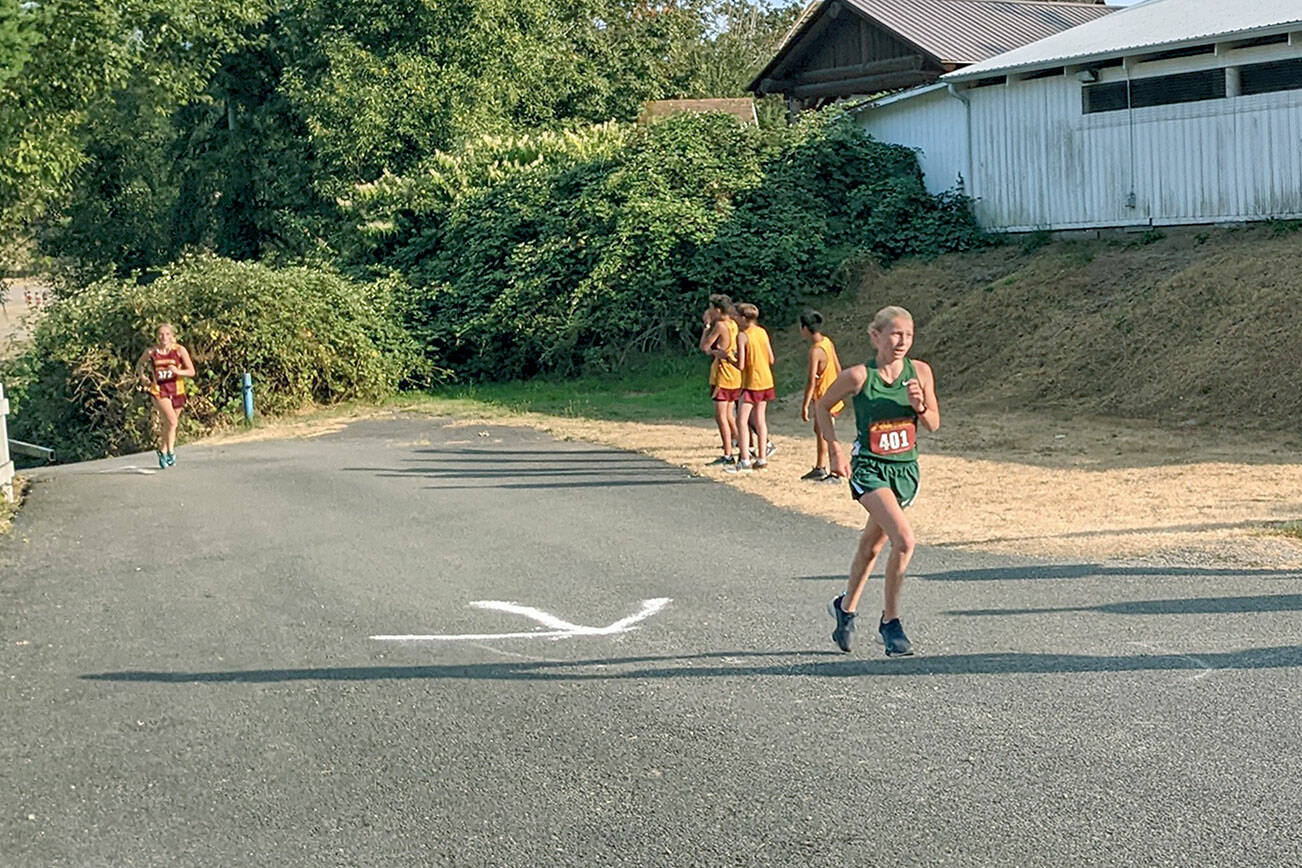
[[564, 252], [1152, 236], [305, 334], [1033, 241]]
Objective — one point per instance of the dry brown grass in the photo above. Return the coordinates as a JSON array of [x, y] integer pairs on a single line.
[[1051, 492], [1204, 326], [9, 510], [1290, 529]]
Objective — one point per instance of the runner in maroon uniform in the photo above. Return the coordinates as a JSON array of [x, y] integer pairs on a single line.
[[161, 369]]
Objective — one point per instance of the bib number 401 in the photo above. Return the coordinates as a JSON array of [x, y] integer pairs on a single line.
[[893, 437]]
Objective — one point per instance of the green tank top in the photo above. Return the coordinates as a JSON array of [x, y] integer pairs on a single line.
[[886, 421]]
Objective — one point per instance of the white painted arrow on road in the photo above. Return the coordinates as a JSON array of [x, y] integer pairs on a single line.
[[557, 628]]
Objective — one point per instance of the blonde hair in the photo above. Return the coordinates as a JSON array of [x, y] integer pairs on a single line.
[[165, 325], [748, 312], [888, 315]]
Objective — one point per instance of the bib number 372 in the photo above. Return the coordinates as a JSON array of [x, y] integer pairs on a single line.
[[892, 437]]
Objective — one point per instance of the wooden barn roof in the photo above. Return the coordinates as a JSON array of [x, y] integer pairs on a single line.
[[951, 33]]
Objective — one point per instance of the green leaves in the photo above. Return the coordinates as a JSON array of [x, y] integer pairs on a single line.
[[559, 253], [234, 125], [307, 335], [89, 53]]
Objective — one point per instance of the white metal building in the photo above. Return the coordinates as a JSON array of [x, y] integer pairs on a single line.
[[1168, 112]]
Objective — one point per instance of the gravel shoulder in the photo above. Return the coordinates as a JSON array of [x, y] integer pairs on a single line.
[[1027, 484]]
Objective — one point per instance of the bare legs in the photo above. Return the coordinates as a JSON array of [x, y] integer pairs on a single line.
[[743, 430], [168, 416], [753, 416], [761, 431], [821, 456], [727, 422], [886, 521]]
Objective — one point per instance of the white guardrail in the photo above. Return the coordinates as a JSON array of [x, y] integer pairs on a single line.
[[6, 464], [9, 448]]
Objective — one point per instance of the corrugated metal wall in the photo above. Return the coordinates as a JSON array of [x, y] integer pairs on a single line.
[[927, 123], [1039, 162]]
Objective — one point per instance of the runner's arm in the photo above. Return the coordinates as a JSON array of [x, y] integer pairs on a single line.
[[142, 369], [849, 383], [742, 345], [929, 415], [188, 366], [817, 361], [709, 335]]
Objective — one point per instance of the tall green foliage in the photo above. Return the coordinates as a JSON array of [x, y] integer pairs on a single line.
[[559, 253], [307, 336], [743, 35], [233, 125], [88, 53]]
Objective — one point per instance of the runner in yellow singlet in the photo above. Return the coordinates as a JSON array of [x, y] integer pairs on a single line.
[[719, 342], [892, 396], [755, 358], [824, 367]]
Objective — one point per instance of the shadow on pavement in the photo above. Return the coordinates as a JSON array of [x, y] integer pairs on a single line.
[[517, 453], [549, 458], [605, 483], [705, 666], [1072, 571], [486, 473], [1195, 606], [519, 472]]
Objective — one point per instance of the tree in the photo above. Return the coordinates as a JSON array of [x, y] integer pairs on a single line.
[[743, 36], [52, 100], [236, 125]]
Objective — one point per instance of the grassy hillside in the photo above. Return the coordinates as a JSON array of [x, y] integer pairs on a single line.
[[1188, 327], [1196, 326]]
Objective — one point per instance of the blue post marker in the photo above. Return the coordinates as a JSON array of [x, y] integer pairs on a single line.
[[248, 397]]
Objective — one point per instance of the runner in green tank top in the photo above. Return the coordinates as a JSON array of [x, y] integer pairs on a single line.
[[892, 396]]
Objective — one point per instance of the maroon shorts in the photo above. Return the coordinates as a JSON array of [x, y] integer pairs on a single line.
[[167, 392], [718, 393], [755, 396]]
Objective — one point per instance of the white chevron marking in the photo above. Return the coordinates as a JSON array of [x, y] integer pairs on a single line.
[[559, 629]]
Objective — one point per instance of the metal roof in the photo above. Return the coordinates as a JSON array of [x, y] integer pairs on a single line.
[[1144, 27], [958, 32], [968, 31], [898, 96]]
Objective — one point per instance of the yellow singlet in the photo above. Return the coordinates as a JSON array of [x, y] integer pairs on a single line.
[[724, 373], [757, 374], [830, 372]]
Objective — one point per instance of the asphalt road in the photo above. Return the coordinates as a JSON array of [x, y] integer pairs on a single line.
[[189, 679]]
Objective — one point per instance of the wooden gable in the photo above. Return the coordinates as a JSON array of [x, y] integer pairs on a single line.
[[842, 53]]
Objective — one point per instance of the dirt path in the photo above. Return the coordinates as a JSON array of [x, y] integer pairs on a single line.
[[1034, 486], [14, 308]]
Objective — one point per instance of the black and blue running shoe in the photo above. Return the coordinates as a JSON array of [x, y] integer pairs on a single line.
[[844, 624], [897, 644]]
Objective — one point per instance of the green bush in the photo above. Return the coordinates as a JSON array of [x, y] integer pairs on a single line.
[[566, 252], [307, 335]]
